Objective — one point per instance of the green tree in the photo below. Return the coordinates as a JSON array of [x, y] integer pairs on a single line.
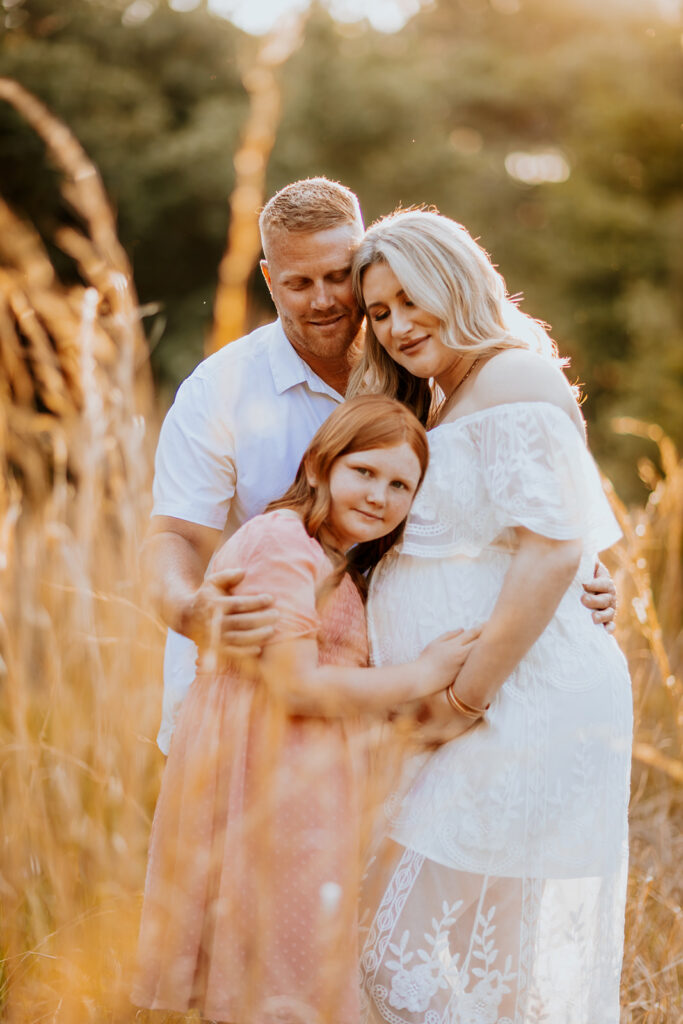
[[427, 114]]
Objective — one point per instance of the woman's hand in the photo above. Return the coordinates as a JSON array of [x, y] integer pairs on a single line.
[[442, 659]]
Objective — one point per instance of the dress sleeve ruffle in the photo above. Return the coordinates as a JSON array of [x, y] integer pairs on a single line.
[[540, 475], [280, 559], [523, 464]]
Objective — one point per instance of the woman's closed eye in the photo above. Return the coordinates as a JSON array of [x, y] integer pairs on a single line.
[[383, 314]]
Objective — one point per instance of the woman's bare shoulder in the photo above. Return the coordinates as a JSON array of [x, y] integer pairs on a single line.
[[518, 375]]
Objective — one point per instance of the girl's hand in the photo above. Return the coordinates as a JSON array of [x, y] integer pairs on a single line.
[[437, 722], [443, 658]]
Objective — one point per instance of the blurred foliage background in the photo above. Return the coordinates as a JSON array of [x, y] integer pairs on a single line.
[[427, 114], [550, 129]]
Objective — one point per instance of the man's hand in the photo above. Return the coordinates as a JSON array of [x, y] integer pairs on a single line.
[[601, 597], [175, 556], [237, 626]]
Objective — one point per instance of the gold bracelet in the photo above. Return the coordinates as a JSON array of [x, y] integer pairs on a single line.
[[459, 705]]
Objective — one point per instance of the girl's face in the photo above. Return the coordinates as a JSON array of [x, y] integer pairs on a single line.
[[371, 493], [409, 335]]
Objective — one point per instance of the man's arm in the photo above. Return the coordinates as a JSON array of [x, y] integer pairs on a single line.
[[174, 557]]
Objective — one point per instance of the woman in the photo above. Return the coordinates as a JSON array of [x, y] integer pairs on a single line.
[[251, 895], [499, 895]]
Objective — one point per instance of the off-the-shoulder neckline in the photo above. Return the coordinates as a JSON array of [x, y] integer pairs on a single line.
[[481, 413]]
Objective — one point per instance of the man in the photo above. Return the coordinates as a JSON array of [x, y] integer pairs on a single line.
[[240, 423]]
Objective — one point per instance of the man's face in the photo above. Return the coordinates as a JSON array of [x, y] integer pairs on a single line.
[[309, 277]]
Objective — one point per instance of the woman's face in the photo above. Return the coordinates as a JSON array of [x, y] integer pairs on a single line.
[[409, 335], [371, 493]]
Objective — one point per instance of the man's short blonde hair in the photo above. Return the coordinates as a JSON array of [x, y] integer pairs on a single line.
[[312, 204]]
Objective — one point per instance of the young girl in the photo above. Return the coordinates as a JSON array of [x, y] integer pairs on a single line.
[[251, 893]]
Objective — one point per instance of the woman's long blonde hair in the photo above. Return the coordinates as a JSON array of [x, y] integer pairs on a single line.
[[359, 424], [443, 271]]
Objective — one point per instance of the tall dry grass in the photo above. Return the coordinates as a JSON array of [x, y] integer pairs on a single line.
[[648, 567], [81, 656]]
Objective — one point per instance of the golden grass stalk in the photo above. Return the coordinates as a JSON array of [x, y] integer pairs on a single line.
[[251, 161], [42, 348]]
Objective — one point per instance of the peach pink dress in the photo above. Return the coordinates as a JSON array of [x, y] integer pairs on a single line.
[[251, 894]]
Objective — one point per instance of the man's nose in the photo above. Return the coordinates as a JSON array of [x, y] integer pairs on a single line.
[[322, 296]]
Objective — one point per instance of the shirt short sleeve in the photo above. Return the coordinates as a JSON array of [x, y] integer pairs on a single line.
[[279, 558], [194, 470]]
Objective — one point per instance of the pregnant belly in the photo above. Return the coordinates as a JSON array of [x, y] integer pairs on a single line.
[[413, 600]]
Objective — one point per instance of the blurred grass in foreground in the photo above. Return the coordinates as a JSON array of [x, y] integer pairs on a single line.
[[79, 771], [648, 568], [81, 657]]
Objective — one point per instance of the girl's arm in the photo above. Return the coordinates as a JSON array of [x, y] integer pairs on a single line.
[[291, 670], [539, 574]]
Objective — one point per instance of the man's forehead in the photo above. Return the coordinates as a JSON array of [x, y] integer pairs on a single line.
[[327, 246]]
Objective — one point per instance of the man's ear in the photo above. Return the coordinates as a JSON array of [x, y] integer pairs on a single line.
[[266, 275]]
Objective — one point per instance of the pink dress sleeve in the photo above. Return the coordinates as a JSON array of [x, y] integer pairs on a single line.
[[279, 558]]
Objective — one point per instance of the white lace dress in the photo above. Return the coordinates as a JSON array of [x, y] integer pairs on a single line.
[[501, 897]]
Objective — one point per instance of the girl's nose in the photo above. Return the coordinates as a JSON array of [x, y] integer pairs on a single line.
[[376, 494]]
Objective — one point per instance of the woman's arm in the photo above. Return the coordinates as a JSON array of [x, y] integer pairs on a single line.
[[542, 568], [539, 574], [291, 670]]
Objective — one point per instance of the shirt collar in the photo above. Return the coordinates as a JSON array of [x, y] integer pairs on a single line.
[[289, 369]]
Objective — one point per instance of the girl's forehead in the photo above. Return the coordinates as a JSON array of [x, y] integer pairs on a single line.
[[399, 455]]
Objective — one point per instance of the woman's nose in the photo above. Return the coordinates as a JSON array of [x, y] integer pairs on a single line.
[[401, 324]]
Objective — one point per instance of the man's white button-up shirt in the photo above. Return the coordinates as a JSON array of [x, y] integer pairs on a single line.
[[231, 443]]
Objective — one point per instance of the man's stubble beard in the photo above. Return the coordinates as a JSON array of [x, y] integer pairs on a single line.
[[331, 345]]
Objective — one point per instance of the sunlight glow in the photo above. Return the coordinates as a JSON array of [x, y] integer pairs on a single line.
[[183, 5], [258, 16], [137, 12], [537, 168]]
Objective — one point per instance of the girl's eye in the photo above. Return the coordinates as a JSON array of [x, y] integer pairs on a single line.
[[363, 470], [399, 485], [380, 316]]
